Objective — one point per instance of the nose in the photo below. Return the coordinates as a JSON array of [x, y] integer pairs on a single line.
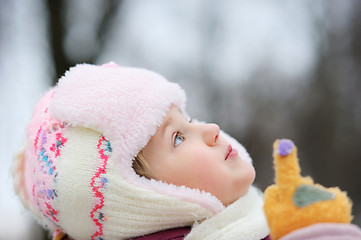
[[210, 133]]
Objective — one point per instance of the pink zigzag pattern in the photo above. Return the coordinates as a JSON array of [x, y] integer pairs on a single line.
[[97, 183]]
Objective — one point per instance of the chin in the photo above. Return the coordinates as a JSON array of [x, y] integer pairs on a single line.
[[250, 176], [235, 198]]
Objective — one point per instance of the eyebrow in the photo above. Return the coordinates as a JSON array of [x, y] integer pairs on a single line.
[[169, 121], [165, 125]]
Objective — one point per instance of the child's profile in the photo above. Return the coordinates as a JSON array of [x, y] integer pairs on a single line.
[[195, 155]]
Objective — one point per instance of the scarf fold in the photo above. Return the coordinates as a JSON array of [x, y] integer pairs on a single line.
[[244, 219]]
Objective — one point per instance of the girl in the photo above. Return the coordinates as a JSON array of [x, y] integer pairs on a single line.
[[111, 154]]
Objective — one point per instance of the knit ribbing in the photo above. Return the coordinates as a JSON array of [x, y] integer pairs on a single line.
[[79, 162]]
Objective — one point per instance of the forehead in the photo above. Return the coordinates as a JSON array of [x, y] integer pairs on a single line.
[[157, 140], [173, 113]]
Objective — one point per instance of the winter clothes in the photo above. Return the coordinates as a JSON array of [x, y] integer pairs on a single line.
[[76, 175]]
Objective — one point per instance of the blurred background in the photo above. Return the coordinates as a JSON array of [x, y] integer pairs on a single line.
[[261, 70]]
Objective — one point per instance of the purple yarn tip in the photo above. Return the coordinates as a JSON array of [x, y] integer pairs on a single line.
[[285, 147]]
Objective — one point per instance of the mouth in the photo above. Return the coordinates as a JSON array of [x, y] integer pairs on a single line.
[[231, 152]]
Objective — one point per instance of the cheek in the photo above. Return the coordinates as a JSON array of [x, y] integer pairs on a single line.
[[202, 160], [201, 164], [188, 168], [209, 170]]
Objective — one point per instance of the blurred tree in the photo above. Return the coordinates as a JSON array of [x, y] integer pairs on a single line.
[[331, 125], [59, 27], [323, 115]]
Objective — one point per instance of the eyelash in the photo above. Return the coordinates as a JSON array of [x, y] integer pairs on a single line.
[[179, 134], [176, 135]]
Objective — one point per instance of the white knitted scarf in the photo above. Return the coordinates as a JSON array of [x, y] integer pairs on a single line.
[[244, 220]]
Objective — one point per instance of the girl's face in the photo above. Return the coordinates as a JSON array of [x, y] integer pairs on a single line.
[[196, 156]]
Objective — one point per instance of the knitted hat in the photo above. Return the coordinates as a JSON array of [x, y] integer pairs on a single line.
[[76, 175]]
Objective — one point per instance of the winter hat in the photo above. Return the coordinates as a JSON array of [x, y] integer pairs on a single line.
[[76, 175]]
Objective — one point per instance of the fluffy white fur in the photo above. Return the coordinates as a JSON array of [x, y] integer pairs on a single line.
[[244, 219]]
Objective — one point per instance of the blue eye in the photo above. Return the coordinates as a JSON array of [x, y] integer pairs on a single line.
[[178, 139]]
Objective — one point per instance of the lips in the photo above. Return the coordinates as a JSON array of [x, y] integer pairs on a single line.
[[231, 152]]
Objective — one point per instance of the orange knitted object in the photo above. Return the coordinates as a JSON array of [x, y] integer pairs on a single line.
[[294, 201]]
